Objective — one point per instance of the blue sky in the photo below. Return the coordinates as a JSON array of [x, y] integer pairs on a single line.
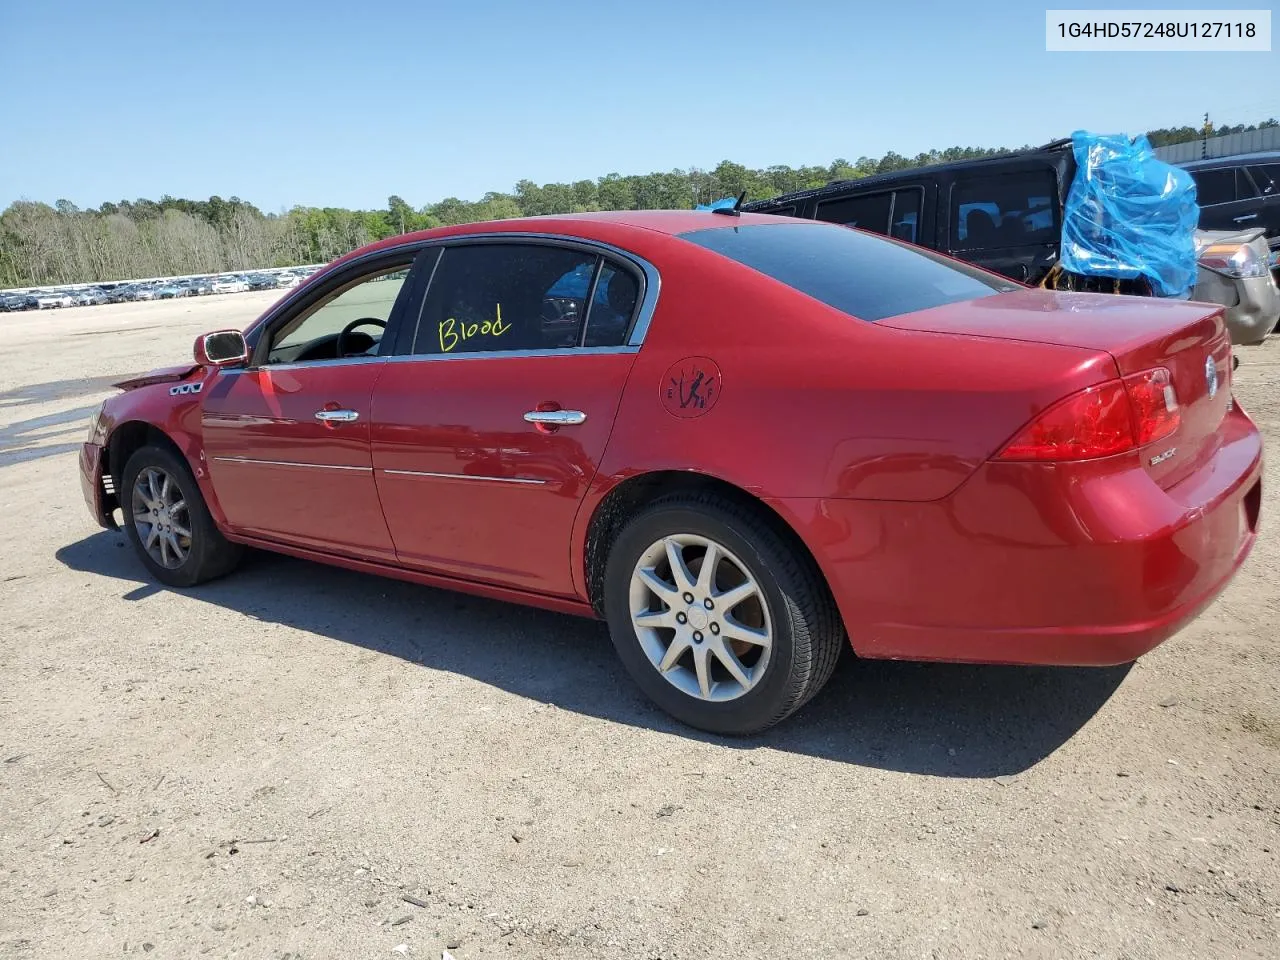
[[326, 103]]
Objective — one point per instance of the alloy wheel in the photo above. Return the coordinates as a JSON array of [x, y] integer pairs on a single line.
[[160, 517], [701, 617]]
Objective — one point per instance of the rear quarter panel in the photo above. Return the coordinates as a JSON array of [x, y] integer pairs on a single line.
[[815, 403]]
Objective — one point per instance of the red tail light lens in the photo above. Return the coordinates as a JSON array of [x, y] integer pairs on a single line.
[[1101, 421], [1095, 422], [1155, 405]]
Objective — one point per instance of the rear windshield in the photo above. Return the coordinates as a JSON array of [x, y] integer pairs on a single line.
[[865, 276]]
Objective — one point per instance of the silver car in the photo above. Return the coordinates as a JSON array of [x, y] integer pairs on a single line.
[[1235, 272]]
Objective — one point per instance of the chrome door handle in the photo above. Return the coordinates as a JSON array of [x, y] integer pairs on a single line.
[[556, 418], [1252, 216], [337, 416]]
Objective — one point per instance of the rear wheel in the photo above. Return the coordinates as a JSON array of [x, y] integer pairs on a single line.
[[168, 523], [723, 624]]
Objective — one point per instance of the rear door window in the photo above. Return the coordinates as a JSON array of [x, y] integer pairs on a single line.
[[905, 216], [613, 307], [520, 296], [1245, 190], [1016, 210], [864, 276], [868, 212], [1267, 177], [1214, 186], [895, 213], [505, 296]]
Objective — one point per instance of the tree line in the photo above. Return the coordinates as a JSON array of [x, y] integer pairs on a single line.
[[42, 244]]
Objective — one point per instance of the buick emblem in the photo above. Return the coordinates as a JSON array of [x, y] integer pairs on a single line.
[[1211, 377]]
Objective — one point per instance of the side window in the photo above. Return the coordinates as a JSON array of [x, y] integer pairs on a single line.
[[505, 296], [314, 333], [1245, 189], [906, 215], [783, 212], [1009, 211], [1267, 177], [870, 212], [1214, 186], [612, 308]]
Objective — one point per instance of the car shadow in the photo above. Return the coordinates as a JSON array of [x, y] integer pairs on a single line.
[[937, 719], [27, 440], [57, 390]]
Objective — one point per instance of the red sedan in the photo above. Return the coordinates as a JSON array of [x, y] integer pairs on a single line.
[[744, 441]]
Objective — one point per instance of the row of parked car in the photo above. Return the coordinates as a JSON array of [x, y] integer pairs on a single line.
[[80, 296]]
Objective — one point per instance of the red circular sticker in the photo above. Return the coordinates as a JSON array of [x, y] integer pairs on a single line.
[[691, 387]]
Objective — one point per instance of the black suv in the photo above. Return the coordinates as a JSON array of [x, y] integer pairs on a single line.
[[1003, 213], [1237, 193]]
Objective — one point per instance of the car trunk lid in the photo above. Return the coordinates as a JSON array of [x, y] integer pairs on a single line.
[[1189, 339]]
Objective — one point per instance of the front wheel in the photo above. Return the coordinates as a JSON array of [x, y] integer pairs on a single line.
[[168, 523], [720, 621]]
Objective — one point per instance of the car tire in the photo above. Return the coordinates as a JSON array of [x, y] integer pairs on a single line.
[[186, 548], [660, 644]]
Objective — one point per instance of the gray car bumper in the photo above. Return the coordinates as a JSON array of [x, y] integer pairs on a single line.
[[1252, 306]]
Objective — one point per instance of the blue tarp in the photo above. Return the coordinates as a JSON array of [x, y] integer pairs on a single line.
[[1130, 215], [726, 203]]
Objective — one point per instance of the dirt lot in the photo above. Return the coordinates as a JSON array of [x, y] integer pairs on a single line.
[[269, 765]]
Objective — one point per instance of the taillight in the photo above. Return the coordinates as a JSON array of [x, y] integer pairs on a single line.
[[1100, 421], [1155, 405], [1095, 422]]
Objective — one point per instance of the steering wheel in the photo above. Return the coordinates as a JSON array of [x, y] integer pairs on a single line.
[[345, 334]]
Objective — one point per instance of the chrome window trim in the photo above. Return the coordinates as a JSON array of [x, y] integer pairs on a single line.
[[433, 357], [652, 279], [513, 354], [291, 463], [458, 476], [639, 328], [305, 365]]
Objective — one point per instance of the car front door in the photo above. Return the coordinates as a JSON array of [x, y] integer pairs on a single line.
[[1266, 178], [488, 433], [286, 439]]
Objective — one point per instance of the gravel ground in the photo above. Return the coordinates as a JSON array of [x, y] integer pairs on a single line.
[[305, 762]]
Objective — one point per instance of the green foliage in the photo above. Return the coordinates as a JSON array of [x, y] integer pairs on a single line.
[[41, 244], [1171, 135]]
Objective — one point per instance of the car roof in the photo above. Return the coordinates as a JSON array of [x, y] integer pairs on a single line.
[[1052, 152], [671, 222], [600, 226], [1209, 163]]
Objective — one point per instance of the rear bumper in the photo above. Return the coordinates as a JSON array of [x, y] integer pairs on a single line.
[[1083, 564], [92, 484]]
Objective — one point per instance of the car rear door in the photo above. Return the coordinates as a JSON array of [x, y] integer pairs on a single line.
[[286, 439], [487, 433]]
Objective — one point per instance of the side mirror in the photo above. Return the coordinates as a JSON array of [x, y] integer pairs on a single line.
[[223, 348]]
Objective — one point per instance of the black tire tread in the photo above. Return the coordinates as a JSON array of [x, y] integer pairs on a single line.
[[816, 624], [214, 555]]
